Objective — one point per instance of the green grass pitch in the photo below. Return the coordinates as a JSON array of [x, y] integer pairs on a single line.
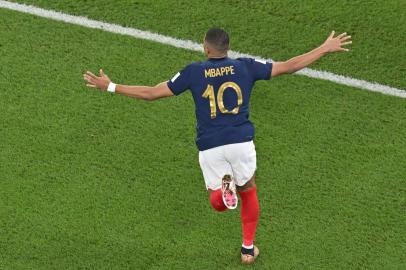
[[91, 180]]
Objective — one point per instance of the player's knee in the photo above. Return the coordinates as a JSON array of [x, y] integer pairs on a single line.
[[219, 207], [216, 201], [249, 185]]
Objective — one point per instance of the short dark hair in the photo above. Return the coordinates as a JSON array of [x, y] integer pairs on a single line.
[[218, 39]]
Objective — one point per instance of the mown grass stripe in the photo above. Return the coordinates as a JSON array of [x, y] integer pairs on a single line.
[[190, 45]]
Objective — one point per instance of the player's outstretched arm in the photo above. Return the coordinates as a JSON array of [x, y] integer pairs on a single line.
[[103, 82], [332, 44]]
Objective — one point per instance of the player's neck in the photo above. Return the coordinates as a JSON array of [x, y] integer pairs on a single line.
[[217, 56]]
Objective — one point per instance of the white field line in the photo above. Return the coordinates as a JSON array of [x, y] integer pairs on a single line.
[[190, 45]]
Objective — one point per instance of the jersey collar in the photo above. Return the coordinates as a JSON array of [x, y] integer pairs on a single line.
[[218, 59]]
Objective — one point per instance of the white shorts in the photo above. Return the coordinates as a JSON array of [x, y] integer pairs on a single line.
[[238, 159]]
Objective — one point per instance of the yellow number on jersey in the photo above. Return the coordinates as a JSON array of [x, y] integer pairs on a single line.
[[209, 93]]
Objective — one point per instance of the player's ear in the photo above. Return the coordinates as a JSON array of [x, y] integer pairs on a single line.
[[206, 49]]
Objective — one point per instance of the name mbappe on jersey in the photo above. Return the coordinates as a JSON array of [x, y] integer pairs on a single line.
[[221, 71]]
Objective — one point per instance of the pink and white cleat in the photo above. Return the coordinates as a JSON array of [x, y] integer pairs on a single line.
[[229, 192]]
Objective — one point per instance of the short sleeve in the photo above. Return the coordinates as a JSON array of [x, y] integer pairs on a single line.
[[259, 69], [180, 82]]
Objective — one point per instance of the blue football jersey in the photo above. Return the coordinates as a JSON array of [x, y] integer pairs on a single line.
[[221, 89]]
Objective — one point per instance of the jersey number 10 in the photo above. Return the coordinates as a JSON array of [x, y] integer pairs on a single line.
[[209, 93]]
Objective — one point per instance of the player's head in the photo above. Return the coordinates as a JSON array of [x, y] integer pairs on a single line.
[[216, 42]]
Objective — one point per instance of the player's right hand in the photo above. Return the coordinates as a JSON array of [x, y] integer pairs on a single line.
[[94, 81], [335, 44]]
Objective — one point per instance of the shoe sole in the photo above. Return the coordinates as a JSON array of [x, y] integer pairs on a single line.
[[235, 194]]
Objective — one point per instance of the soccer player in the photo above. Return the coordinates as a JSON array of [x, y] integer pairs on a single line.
[[221, 89]]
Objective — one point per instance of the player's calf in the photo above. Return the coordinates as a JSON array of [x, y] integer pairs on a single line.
[[249, 218]]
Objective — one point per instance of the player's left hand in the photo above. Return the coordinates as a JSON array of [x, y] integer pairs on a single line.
[[94, 81], [335, 44]]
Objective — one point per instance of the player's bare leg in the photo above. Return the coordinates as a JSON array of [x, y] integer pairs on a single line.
[[249, 218], [249, 185]]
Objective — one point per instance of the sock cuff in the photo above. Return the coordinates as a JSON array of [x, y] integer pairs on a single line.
[[248, 247], [248, 192]]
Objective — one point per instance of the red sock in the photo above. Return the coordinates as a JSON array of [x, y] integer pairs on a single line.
[[216, 201], [249, 215]]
